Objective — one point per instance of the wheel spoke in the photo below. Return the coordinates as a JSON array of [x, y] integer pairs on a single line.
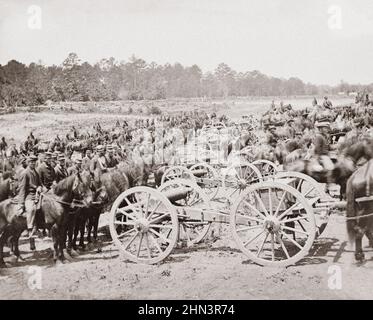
[[126, 233], [139, 248], [248, 228], [160, 226], [132, 239], [293, 219], [124, 223], [255, 209], [295, 230], [155, 243], [261, 203], [127, 214], [159, 218], [253, 238], [284, 248], [273, 246], [147, 245], [262, 245], [153, 211], [270, 201], [160, 235], [280, 203], [249, 218], [289, 209], [292, 240], [147, 206]]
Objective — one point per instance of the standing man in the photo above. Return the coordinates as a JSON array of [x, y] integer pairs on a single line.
[[28, 187], [111, 161], [86, 161], [99, 163]]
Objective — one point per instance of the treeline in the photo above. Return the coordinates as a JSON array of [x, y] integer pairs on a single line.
[[74, 80]]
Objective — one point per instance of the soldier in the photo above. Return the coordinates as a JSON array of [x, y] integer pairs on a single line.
[[75, 168], [29, 186], [86, 161], [327, 103], [3, 145], [111, 161], [60, 169], [322, 145], [99, 161], [46, 171]]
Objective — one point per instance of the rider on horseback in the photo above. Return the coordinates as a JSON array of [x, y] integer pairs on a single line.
[[322, 146], [28, 188]]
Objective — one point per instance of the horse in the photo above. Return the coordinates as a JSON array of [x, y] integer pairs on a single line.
[[359, 186], [54, 207]]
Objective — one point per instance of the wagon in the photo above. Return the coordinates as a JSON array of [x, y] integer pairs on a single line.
[[273, 222]]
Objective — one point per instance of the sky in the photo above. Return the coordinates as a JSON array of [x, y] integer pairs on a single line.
[[318, 41]]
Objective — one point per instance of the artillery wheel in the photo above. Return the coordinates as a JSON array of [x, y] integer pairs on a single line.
[[266, 167], [210, 190], [151, 221], [271, 231], [177, 172], [193, 230], [238, 177], [313, 192]]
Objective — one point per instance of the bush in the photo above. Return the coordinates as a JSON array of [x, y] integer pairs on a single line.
[[155, 110]]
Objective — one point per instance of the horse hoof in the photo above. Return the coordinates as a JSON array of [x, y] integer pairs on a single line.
[[67, 255], [13, 259], [74, 253], [359, 256], [59, 263], [32, 244]]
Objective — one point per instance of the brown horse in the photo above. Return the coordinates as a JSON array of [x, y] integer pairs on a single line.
[[54, 207], [359, 204]]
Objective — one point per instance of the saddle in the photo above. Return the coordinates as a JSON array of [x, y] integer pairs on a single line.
[[363, 183]]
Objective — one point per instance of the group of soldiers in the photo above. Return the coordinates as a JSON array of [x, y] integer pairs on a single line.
[[41, 173]]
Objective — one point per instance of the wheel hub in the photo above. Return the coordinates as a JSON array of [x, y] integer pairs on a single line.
[[242, 183], [272, 224], [142, 225]]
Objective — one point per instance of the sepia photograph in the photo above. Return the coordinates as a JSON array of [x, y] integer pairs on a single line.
[[189, 150]]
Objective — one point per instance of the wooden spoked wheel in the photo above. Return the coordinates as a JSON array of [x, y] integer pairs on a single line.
[[177, 172], [186, 194], [267, 168], [207, 178], [238, 177], [148, 223], [269, 230], [312, 191]]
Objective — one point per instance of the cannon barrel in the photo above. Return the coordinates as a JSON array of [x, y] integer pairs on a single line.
[[177, 194]]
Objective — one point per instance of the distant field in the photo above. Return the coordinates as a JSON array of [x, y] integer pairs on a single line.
[[59, 117]]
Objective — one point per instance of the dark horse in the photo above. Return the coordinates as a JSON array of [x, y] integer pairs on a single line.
[[359, 204], [54, 207]]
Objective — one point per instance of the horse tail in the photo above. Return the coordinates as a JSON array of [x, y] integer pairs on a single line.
[[351, 211]]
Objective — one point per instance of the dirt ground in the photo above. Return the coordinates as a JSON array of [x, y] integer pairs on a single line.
[[210, 270]]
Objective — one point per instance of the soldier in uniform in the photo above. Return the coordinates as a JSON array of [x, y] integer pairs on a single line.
[[60, 169], [327, 103], [86, 161], [75, 168], [29, 186], [322, 145], [46, 171], [111, 161], [99, 163]]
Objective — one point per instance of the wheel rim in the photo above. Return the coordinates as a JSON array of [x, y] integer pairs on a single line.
[[151, 225], [267, 168], [311, 190], [238, 178], [211, 174], [191, 230], [177, 172], [269, 230]]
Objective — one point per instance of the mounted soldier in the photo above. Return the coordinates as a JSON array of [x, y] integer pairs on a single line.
[[76, 168], [322, 146], [99, 162], [327, 103], [111, 161], [60, 169], [27, 195], [46, 172]]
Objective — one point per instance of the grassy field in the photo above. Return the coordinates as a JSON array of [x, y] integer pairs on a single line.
[[58, 118]]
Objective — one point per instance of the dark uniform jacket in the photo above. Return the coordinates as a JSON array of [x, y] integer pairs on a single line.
[[29, 181], [321, 144], [60, 173], [111, 162], [47, 175]]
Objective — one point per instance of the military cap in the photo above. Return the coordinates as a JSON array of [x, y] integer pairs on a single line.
[[32, 157]]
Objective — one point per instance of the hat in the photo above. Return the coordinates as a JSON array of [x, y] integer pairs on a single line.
[[32, 157], [78, 160], [324, 124], [61, 157], [271, 127], [109, 147], [48, 154], [100, 148]]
